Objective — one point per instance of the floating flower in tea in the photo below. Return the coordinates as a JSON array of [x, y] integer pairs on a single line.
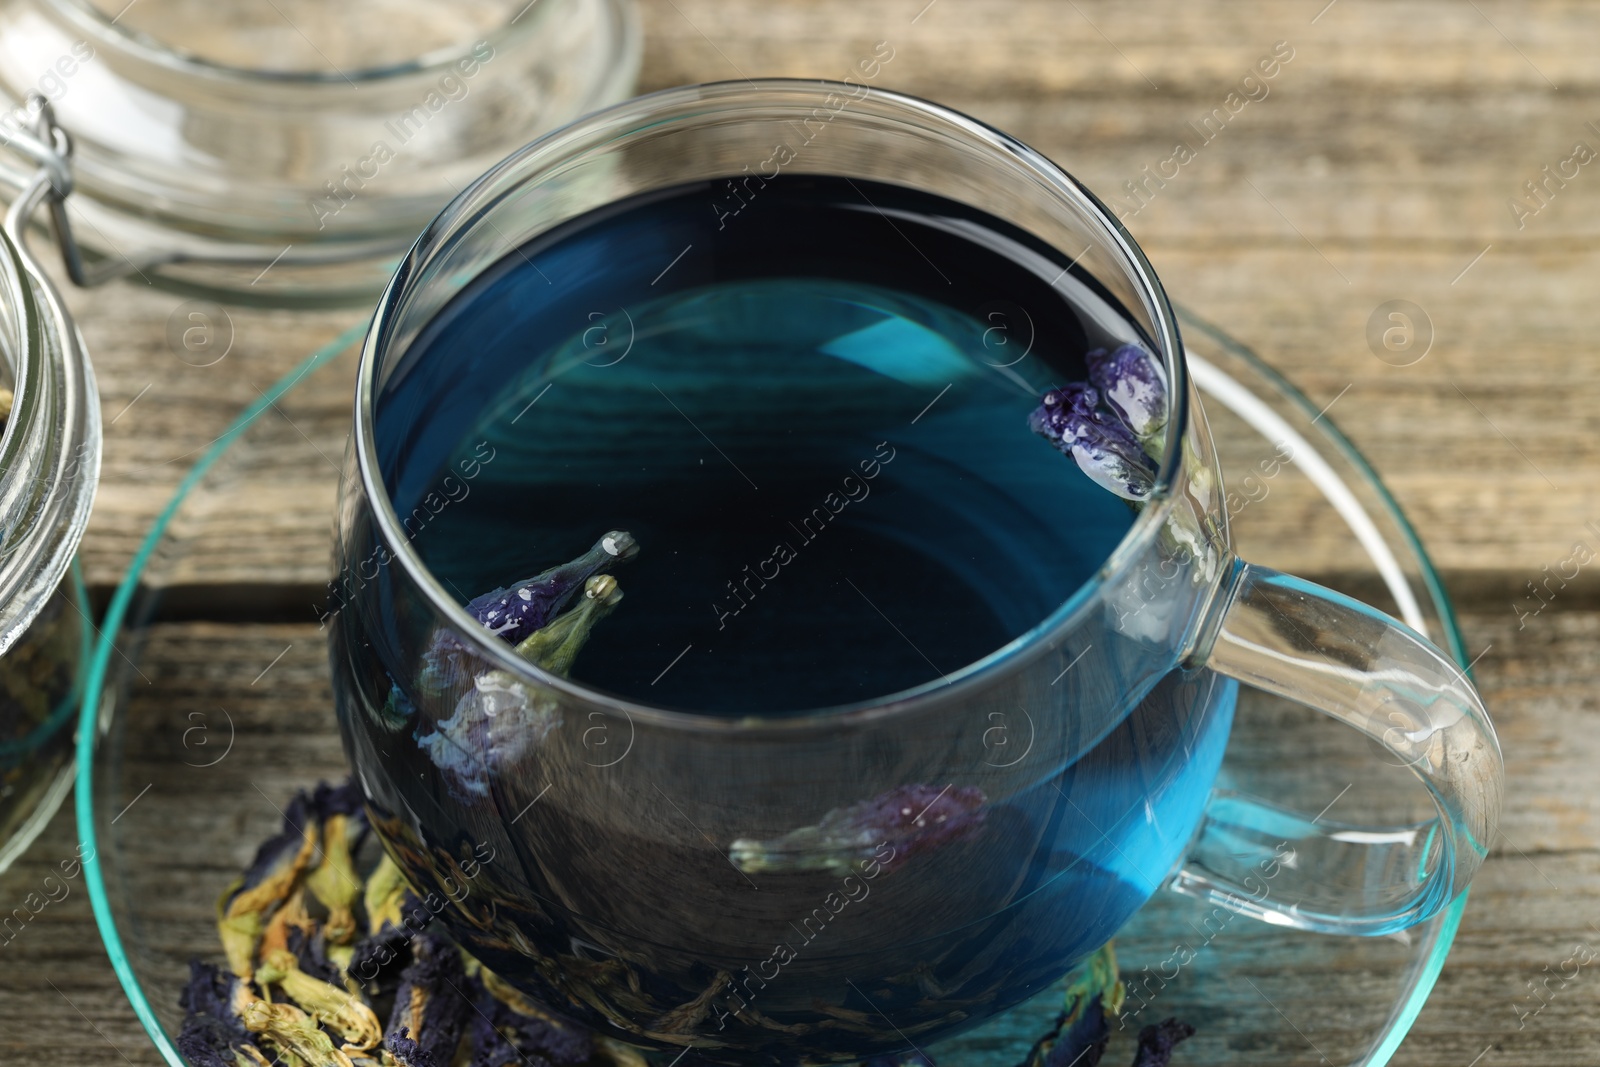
[[909, 819], [499, 718], [514, 613], [1115, 447]]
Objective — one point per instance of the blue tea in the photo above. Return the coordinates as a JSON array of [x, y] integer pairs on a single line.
[[809, 408]]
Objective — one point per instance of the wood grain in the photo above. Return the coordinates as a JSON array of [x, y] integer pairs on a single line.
[[1534, 901], [1380, 167]]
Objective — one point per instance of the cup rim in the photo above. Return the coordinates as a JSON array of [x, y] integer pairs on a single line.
[[711, 99], [107, 31]]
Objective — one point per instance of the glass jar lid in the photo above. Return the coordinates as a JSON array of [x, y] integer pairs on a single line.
[[290, 152]]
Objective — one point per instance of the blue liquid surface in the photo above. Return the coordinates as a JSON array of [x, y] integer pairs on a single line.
[[818, 437], [812, 417]]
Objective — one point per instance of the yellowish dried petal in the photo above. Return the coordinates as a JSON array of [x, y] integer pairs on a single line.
[[294, 1033], [385, 894], [335, 882], [242, 920], [327, 1004]]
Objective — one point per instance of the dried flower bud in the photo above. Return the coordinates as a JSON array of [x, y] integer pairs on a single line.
[[272, 876], [213, 1031], [1103, 447], [294, 1033], [431, 1002], [906, 820], [512, 613], [556, 645], [516, 611], [329, 1005], [1132, 384], [1157, 1041], [407, 1053], [499, 718], [335, 882]]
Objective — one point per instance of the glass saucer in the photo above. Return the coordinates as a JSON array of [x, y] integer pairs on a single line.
[[206, 727]]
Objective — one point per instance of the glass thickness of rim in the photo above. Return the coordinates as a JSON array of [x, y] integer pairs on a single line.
[[714, 131]]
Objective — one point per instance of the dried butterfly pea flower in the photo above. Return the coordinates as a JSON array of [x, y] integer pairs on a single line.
[[514, 612], [335, 883], [213, 1030], [404, 1052], [887, 830], [1102, 445], [293, 1033], [277, 867], [1132, 384], [500, 718], [431, 1002], [387, 900], [311, 949], [328, 1005], [1157, 1041]]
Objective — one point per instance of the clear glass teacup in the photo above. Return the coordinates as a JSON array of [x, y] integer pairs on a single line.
[[866, 878]]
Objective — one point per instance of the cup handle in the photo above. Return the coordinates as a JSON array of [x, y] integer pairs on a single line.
[[1320, 648]]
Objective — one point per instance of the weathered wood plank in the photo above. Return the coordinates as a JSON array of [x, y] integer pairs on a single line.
[[1534, 901]]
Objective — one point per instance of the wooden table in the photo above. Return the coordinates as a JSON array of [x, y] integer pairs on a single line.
[[1382, 166]]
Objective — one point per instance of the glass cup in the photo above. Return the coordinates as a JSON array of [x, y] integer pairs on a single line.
[[863, 879]]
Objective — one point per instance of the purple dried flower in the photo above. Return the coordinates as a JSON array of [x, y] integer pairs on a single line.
[[1104, 448], [280, 850], [1082, 1040], [1157, 1041], [311, 950], [906, 821], [499, 719], [514, 612], [212, 1028], [1132, 385], [430, 1002], [406, 1052]]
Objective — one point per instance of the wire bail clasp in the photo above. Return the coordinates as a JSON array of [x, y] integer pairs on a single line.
[[50, 146]]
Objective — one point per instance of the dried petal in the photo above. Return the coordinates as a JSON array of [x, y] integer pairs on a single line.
[[272, 876], [431, 1002], [327, 1004], [293, 1032], [1157, 1041], [213, 1032], [1132, 384], [335, 882], [1082, 1041], [908, 820], [1103, 447], [406, 1052]]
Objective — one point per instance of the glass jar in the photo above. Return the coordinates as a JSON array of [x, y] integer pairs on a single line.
[[50, 459], [287, 153]]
